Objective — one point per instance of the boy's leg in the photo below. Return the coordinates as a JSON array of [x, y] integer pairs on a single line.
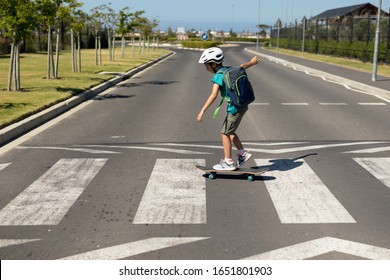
[[227, 163], [227, 146], [236, 141], [229, 136]]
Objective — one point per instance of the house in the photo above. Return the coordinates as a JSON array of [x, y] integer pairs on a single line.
[[345, 14]]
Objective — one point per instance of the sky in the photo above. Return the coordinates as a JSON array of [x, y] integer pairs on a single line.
[[239, 15]]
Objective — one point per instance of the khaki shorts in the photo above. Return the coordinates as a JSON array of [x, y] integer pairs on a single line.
[[232, 122]]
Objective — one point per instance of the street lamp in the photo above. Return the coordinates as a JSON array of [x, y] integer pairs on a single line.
[[304, 22], [258, 34], [376, 49]]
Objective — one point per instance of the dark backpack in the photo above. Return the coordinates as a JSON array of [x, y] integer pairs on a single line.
[[239, 89]]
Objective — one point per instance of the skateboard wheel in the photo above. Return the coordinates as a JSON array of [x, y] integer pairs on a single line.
[[250, 178], [212, 176]]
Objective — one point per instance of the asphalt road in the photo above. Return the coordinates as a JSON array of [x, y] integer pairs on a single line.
[[115, 178]]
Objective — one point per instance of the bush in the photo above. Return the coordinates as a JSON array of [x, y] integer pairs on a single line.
[[200, 44], [357, 50]]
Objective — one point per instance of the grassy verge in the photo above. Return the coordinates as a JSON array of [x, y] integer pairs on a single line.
[[38, 92], [383, 70]]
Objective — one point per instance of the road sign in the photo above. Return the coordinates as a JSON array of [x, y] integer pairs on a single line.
[[205, 36]]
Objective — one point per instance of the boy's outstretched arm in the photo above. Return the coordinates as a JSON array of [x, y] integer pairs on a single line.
[[251, 63], [210, 100]]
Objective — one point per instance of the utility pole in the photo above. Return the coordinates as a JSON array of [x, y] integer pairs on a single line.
[[258, 26], [376, 49], [304, 21]]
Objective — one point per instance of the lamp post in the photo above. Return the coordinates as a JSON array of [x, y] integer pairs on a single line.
[[304, 21], [258, 26], [376, 49]]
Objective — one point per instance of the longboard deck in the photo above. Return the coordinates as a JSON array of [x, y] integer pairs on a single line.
[[250, 172]]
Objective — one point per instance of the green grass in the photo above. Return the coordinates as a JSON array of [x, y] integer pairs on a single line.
[[383, 70], [38, 92]]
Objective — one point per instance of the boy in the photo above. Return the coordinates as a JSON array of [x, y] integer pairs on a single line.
[[212, 58]]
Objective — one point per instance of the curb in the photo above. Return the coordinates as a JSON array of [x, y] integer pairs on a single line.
[[16, 130], [351, 83]]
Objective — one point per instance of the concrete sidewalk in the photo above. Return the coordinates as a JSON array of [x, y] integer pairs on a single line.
[[352, 78]]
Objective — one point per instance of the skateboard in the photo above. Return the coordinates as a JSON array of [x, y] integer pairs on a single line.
[[250, 173]]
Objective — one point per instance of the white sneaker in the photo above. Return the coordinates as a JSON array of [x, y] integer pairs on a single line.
[[223, 165], [244, 158]]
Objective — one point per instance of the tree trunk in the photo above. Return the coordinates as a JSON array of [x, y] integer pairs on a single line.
[[48, 51], [109, 45], [100, 51], [72, 50], [123, 47], [96, 51], [133, 46], [79, 51], [57, 54], [52, 60], [11, 66], [17, 68], [113, 47]]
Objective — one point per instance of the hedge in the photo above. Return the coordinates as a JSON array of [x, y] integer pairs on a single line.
[[200, 44], [358, 50]]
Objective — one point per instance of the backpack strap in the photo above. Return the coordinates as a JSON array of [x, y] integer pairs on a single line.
[[216, 111]]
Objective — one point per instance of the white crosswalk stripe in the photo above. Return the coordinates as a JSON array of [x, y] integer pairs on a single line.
[[379, 167], [47, 200], [300, 196], [175, 194], [4, 165]]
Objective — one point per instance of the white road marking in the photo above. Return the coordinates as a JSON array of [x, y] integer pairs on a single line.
[[90, 151], [274, 144], [346, 86], [176, 151], [372, 104], [12, 242], [379, 167], [322, 246], [4, 165], [370, 151], [175, 194], [300, 196], [383, 98], [134, 248], [295, 104], [46, 201], [277, 151], [333, 104]]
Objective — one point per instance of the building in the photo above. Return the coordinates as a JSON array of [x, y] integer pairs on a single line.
[[345, 14]]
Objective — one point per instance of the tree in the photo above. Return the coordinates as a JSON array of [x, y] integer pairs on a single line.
[[96, 21], [110, 19], [78, 24], [64, 10], [52, 14], [46, 16], [17, 18]]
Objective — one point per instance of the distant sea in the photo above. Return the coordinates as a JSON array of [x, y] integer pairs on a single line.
[[205, 26]]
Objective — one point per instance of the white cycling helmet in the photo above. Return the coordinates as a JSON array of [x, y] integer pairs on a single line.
[[213, 54]]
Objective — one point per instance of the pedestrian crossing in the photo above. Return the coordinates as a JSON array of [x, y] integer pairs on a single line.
[[47, 200], [299, 196], [175, 192]]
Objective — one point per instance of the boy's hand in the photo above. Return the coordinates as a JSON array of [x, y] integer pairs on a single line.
[[200, 116], [255, 60], [251, 63]]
